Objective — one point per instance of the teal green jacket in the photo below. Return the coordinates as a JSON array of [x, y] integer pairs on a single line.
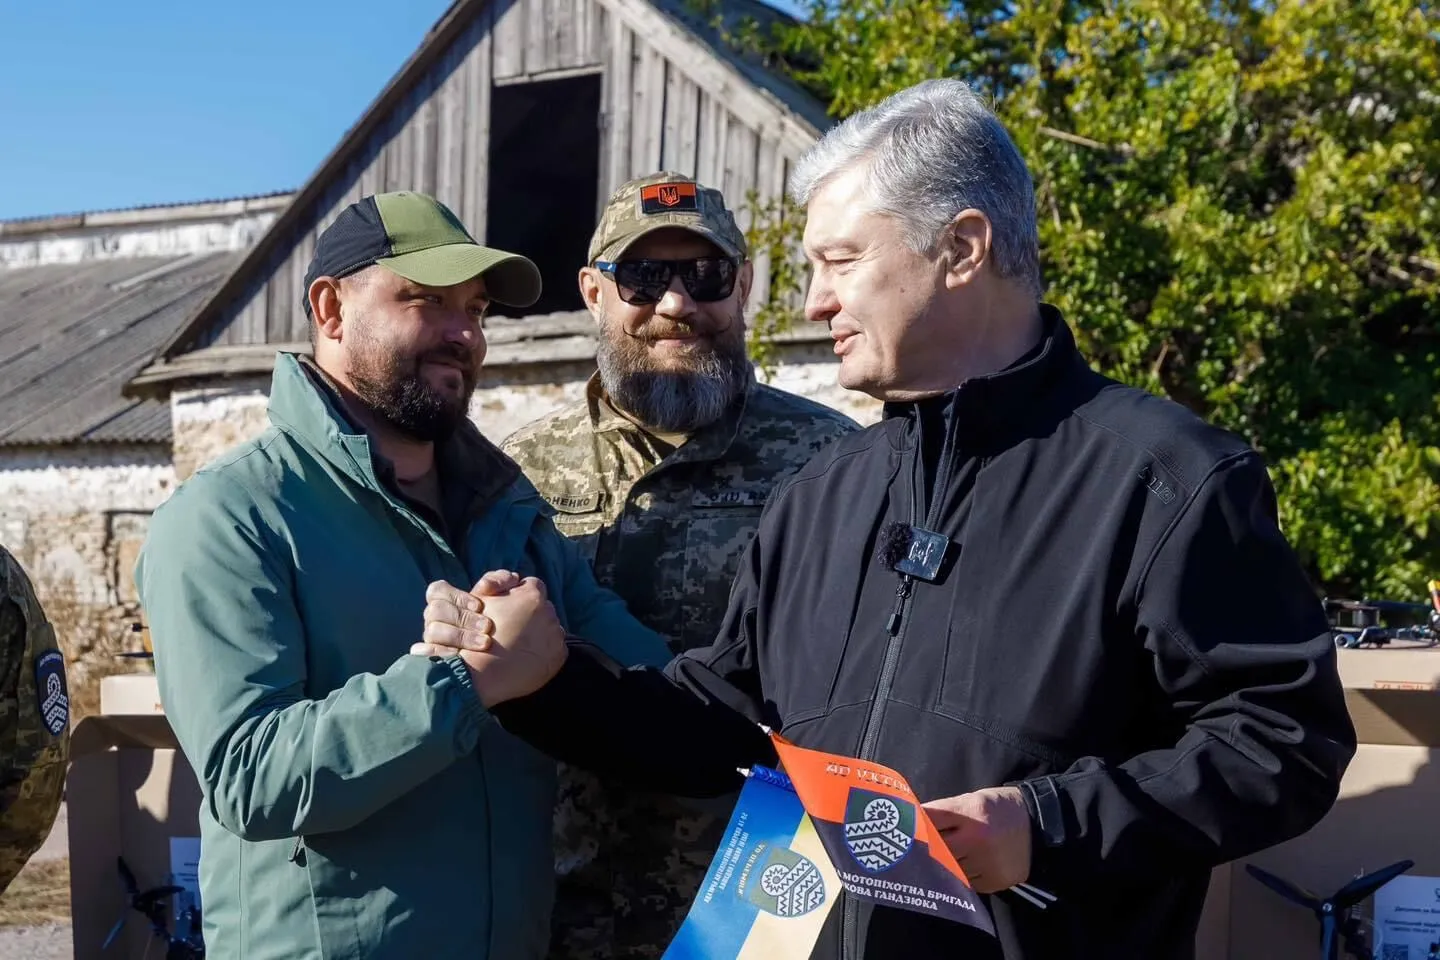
[[359, 802]]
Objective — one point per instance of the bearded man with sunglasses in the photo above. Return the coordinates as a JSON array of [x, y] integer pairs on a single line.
[[660, 474]]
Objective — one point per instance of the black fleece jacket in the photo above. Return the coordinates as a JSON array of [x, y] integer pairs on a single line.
[[1118, 626]]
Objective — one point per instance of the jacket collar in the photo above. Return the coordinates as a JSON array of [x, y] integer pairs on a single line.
[[994, 408], [711, 442], [305, 404]]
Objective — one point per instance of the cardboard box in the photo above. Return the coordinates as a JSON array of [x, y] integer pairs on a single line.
[[1388, 810], [130, 693], [131, 794]]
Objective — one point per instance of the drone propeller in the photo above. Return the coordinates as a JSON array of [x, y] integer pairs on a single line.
[[1361, 887], [146, 902], [1285, 888], [1336, 921]]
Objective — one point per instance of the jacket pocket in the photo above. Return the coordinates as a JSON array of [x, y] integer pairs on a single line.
[[333, 904], [717, 534], [579, 518]]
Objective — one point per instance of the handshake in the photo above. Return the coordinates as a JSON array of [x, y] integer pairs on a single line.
[[504, 629]]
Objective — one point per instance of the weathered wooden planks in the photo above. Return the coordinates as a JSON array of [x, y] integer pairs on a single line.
[[668, 102]]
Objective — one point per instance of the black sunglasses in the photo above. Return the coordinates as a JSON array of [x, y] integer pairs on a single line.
[[640, 282]]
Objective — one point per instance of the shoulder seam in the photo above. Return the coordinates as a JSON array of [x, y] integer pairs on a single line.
[[1164, 458], [1221, 465]]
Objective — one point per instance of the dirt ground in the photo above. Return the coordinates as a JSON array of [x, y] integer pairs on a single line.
[[35, 910]]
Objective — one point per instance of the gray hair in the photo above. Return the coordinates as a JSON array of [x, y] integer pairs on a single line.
[[930, 151]]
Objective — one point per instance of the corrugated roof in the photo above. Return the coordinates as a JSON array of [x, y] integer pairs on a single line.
[[110, 212], [71, 335]]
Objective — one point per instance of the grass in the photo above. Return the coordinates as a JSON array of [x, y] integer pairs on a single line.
[[39, 894]]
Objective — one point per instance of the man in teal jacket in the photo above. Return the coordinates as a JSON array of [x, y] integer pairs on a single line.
[[360, 801]]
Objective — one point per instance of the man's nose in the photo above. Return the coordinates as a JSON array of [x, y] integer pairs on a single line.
[[467, 334], [464, 328], [821, 304], [677, 301]]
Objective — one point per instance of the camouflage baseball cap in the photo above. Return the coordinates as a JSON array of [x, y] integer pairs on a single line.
[[660, 200]]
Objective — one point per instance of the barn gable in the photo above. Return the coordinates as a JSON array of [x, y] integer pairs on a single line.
[[522, 115]]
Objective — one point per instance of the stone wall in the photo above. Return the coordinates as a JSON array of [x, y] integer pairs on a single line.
[[207, 422], [75, 517]]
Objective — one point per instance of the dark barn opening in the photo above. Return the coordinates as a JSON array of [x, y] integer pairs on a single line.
[[544, 178]]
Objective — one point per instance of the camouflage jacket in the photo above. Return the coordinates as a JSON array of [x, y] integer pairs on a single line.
[[34, 721], [665, 529]]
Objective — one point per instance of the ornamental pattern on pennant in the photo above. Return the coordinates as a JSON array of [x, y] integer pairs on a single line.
[[790, 885], [879, 830]]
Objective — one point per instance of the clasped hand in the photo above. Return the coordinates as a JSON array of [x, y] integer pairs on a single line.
[[504, 629]]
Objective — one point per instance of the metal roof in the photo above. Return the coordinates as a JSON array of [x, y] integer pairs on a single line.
[[145, 213], [71, 335]]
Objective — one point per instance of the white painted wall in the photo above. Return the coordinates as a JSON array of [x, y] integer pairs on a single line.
[[85, 477]]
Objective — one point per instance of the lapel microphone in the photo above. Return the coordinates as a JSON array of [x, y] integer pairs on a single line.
[[911, 550]]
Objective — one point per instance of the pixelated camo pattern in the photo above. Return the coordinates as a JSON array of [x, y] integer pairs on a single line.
[[667, 534], [32, 760]]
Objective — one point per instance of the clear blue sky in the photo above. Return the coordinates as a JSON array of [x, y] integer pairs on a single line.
[[118, 103]]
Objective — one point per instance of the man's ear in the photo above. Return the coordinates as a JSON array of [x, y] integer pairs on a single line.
[[965, 246], [744, 279], [325, 307], [590, 288]]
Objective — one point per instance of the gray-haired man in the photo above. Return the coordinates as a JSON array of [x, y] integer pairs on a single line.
[[1019, 589]]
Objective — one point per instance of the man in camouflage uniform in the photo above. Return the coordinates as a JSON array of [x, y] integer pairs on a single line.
[[34, 721], [660, 474]]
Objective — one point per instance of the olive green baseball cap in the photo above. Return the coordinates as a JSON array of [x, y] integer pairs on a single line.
[[659, 200], [419, 238]]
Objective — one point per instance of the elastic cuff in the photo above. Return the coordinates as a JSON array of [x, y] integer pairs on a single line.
[[472, 712]]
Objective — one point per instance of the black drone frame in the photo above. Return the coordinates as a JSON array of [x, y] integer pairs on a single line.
[[1336, 912], [153, 904]]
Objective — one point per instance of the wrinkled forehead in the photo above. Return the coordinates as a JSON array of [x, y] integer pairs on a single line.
[[839, 214]]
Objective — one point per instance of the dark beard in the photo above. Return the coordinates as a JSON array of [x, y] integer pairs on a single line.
[[393, 388], [674, 401]]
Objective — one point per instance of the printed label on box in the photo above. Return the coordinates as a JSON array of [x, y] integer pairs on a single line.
[[1407, 919]]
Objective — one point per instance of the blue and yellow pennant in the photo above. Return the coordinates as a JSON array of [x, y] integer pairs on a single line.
[[770, 886]]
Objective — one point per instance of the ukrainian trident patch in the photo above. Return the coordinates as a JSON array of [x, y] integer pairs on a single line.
[[53, 699]]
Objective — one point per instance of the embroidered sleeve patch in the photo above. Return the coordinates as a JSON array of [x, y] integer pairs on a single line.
[[50, 691], [668, 198]]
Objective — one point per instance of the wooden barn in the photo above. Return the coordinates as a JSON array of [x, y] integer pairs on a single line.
[[522, 115]]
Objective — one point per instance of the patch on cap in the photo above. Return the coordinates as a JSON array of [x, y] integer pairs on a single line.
[[50, 693], [669, 198]]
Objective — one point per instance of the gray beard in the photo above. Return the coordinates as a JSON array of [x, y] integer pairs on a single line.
[[674, 401]]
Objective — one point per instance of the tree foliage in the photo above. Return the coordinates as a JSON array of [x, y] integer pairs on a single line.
[[1239, 209]]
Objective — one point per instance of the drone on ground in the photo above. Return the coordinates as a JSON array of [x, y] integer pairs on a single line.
[[1368, 623]]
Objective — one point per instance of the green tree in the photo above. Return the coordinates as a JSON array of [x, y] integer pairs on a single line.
[[1239, 209]]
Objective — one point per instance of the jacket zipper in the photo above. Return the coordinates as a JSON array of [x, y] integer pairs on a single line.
[[895, 629]]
